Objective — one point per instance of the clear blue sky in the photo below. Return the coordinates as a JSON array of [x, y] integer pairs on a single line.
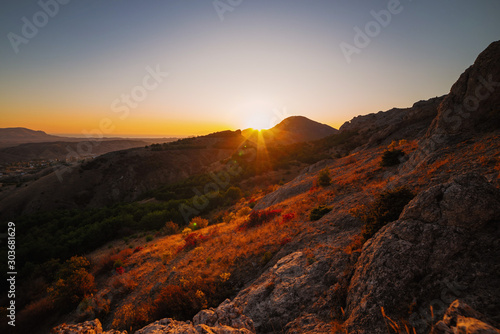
[[265, 60]]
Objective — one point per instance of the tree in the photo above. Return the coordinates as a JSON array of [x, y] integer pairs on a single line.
[[324, 178]]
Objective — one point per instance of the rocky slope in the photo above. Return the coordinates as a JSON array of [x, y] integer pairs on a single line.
[[444, 245], [438, 260]]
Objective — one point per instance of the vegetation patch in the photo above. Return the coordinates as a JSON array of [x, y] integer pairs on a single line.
[[391, 158], [191, 241], [258, 218], [386, 208], [324, 178], [319, 212]]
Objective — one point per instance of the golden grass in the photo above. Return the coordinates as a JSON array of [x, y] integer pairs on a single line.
[[355, 178]]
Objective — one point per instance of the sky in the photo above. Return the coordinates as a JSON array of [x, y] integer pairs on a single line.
[[179, 68]]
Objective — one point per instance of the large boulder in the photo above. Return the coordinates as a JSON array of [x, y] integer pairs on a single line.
[[444, 246], [298, 284]]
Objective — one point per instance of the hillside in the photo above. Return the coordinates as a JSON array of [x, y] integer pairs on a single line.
[[396, 231], [126, 175], [117, 176]]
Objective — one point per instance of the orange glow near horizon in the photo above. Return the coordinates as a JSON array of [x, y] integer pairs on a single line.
[[176, 70]]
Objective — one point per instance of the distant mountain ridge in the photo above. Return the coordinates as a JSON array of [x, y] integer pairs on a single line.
[[61, 150], [20, 135]]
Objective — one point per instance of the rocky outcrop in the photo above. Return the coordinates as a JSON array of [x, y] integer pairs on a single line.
[[461, 318], [226, 315], [88, 327], [395, 124], [444, 246], [472, 106], [225, 319], [474, 100]]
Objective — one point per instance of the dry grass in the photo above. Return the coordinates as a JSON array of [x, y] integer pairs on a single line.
[[221, 259], [395, 327]]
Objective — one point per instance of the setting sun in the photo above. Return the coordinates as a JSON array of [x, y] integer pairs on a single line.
[[258, 121]]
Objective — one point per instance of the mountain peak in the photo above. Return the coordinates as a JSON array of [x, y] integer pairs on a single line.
[[293, 129]]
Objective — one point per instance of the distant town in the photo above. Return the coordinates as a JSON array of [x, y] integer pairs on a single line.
[[23, 171]]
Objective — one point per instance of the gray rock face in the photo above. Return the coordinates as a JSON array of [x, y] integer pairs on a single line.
[[444, 246], [294, 286]]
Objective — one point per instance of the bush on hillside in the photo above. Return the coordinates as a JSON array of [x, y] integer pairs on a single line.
[[170, 228], [391, 158], [319, 212], [74, 282], [386, 208], [324, 178], [233, 193], [259, 217], [191, 241], [198, 223]]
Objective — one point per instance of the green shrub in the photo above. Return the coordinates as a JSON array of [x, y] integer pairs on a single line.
[[319, 212], [391, 158], [386, 208], [149, 237], [198, 223], [324, 178]]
